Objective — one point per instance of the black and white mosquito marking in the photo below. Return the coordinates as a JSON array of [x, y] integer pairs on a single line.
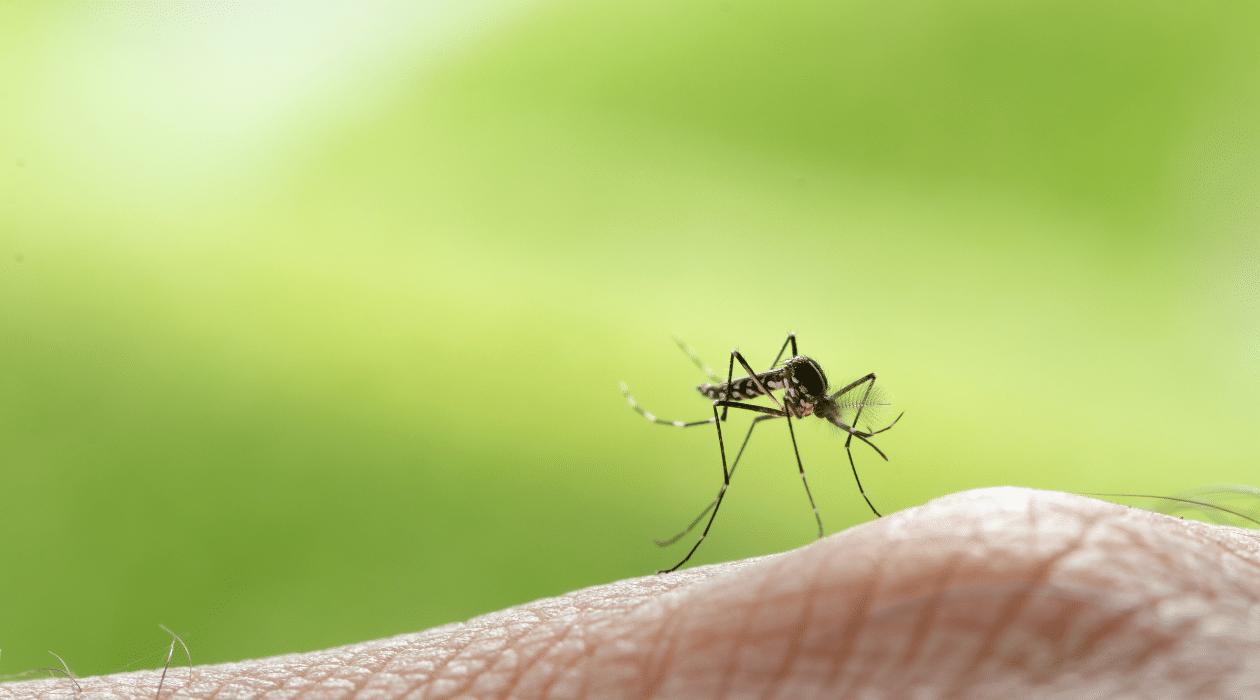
[[804, 393]]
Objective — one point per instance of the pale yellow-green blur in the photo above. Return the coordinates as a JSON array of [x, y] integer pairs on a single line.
[[312, 317]]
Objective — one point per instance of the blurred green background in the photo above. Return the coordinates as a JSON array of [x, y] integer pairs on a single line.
[[312, 316]]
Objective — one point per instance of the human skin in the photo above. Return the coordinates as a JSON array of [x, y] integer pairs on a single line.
[[994, 593]]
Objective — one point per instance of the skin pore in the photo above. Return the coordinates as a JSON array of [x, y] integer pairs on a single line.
[[994, 593]]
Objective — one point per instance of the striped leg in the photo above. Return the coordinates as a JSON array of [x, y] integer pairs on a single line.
[[799, 465], [726, 482], [625, 391], [869, 381], [714, 502], [863, 437], [726, 473], [801, 468], [730, 375], [713, 376], [790, 339], [708, 371]]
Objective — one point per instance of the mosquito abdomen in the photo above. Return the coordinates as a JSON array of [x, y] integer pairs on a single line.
[[744, 387]]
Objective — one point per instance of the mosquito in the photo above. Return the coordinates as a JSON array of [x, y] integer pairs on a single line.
[[804, 393]]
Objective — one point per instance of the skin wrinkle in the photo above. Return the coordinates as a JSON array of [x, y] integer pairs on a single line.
[[650, 590], [1224, 541], [661, 661], [679, 581], [475, 646], [653, 619], [1014, 657], [584, 690], [855, 623], [889, 668], [1110, 627], [759, 601], [928, 616], [1214, 553], [1150, 606], [537, 659], [1164, 643], [437, 678], [587, 660], [560, 665], [797, 638], [1010, 611], [1137, 542]]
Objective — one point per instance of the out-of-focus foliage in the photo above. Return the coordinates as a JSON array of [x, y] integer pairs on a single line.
[[312, 317]]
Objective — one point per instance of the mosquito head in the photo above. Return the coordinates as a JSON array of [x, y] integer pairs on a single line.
[[826, 408]]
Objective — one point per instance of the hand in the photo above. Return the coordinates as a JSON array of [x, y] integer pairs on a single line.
[[994, 593]]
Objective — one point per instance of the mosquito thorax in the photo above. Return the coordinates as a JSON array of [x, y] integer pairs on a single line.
[[806, 377]]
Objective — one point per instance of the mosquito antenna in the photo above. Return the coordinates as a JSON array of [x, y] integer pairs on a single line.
[[1201, 504]]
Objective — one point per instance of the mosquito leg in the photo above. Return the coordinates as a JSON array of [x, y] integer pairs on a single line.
[[753, 375], [869, 380], [775, 412], [862, 436], [849, 451], [708, 371], [849, 387], [734, 466], [730, 377], [848, 441], [790, 339], [887, 427], [726, 482], [625, 391], [801, 467], [863, 403]]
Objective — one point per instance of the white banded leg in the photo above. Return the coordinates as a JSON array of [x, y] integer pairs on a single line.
[[625, 391], [714, 502], [790, 339], [730, 375], [869, 380], [799, 465], [713, 376], [726, 483], [708, 371], [863, 437]]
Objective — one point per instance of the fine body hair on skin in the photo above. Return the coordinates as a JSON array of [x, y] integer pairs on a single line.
[[65, 668]]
